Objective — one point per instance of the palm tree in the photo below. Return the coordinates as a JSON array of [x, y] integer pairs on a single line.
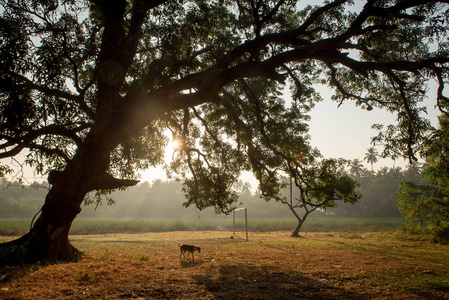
[[371, 157], [356, 167]]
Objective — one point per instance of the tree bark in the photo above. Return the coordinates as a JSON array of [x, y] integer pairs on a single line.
[[298, 227], [48, 239], [300, 222]]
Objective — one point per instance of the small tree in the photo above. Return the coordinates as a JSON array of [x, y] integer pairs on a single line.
[[321, 187]]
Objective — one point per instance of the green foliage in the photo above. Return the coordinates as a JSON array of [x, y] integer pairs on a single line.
[[18, 201], [4, 170], [327, 184], [436, 150], [378, 192], [425, 208], [417, 206], [243, 135]]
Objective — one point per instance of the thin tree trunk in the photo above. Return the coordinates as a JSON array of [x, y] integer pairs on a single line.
[[297, 228], [300, 222]]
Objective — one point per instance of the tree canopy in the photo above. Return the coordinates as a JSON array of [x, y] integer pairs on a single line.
[[89, 88]]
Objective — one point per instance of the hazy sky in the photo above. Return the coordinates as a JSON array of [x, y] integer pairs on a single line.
[[346, 131], [341, 132]]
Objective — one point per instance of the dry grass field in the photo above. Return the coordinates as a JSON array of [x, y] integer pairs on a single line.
[[372, 265]]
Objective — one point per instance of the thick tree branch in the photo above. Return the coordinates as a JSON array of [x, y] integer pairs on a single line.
[[440, 96], [362, 67], [103, 181]]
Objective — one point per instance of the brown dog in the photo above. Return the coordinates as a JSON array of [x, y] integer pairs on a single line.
[[189, 249]]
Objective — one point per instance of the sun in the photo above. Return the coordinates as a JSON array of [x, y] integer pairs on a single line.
[[158, 172], [171, 148]]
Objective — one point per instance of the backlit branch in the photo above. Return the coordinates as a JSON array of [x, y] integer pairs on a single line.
[[27, 141], [347, 95], [411, 132], [208, 130], [33, 146], [440, 96]]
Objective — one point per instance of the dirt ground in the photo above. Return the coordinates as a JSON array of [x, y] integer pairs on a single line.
[[268, 266]]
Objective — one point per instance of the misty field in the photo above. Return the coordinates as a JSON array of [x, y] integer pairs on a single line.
[[219, 223], [271, 265]]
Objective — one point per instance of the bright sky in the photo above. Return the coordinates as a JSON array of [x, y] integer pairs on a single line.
[[343, 132], [346, 131]]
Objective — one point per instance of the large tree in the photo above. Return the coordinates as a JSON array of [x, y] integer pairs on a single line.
[[89, 88]]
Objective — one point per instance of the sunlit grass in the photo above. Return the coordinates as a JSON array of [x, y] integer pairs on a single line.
[[102, 226]]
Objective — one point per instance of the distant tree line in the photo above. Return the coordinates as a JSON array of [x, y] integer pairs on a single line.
[[19, 201], [163, 199], [159, 199], [379, 191]]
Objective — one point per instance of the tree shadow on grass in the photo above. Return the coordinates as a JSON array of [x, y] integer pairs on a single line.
[[190, 264], [251, 282]]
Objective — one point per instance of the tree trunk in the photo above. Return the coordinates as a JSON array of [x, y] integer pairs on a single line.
[[48, 238], [298, 227], [300, 222]]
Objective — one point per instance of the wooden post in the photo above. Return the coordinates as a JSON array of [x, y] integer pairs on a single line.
[[291, 192], [246, 223], [233, 222], [246, 220]]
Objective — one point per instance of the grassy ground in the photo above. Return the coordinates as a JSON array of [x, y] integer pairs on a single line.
[[319, 265], [101, 226]]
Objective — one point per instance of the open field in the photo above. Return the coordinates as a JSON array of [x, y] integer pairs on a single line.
[[319, 265], [220, 223]]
